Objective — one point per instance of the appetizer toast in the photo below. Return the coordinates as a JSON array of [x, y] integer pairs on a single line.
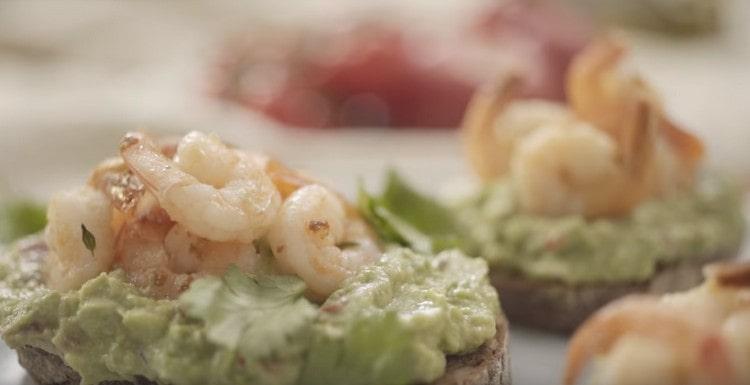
[[195, 262], [587, 201]]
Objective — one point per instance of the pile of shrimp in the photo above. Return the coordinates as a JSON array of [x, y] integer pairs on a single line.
[[167, 213], [608, 150], [700, 336]]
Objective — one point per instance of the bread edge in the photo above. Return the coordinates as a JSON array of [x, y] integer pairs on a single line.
[[561, 307], [487, 365]]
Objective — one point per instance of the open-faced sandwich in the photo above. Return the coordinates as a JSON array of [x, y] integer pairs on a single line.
[[698, 337], [587, 201], [197, 263]]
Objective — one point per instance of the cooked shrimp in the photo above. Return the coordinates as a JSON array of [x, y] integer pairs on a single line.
[[556, 160], [113, 178], [690, 343], [480, 143], [600, 92], [316, 239], [698, 337], [286, 179], [163, 258], [210, 190], [70, 262], [495, 125], [576, 169], [191, 254]]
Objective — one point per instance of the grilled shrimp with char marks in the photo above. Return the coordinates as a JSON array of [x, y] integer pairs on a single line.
[[320, 240], [163, 258], [210, 189]]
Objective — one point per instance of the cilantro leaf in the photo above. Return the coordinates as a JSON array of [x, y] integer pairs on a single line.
[[255, 316], [403, 216]]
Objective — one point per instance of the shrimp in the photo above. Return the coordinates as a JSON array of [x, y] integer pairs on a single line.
[[316, 238], [479, 138], [210, 190], [113, 178], [691, 348], [494, 124], [701, 336], [556, 161], [162, 258], [600, 94], [287, 180], [577, 169], [70, 262]]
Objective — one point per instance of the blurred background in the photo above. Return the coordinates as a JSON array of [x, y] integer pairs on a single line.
[[75, 75], [342, 89]]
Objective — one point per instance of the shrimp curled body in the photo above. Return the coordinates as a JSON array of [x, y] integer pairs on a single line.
[[610, 149], [70, 262], [211, 190], [307, 239]]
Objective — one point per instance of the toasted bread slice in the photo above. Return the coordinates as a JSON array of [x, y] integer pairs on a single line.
[[561, 307], [488, 365]]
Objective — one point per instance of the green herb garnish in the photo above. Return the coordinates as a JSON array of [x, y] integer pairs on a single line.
[[254, 316], [347, 245], [88, 239], [403, 216]]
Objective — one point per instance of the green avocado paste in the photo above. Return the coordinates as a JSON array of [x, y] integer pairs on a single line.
[[703, 222], [391, 323]]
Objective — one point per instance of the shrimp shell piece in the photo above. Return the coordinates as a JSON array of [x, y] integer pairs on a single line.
[[287, 180], [118, 183]]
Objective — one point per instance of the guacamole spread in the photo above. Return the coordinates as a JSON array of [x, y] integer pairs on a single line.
[[700, 223], [392, 323]]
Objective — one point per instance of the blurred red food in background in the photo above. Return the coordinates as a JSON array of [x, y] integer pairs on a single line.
[[374, 74]]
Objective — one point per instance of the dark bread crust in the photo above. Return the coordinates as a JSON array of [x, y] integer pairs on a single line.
[[488, 365], [560, 307]]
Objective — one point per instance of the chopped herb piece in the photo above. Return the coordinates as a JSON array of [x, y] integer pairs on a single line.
[[88, 239]]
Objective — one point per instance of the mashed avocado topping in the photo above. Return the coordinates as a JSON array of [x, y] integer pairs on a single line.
[[703, 222], [395, 320], [392, 323], [699, 223]]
